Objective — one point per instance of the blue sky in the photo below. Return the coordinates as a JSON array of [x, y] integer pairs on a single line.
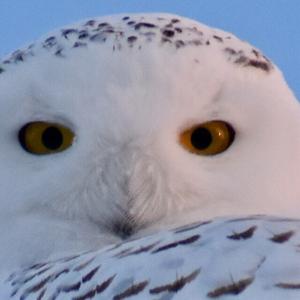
[[270, 25]]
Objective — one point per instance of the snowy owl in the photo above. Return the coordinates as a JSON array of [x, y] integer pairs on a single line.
[[116, 131]]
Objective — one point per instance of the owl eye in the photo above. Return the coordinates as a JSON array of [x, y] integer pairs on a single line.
[[208, 138], [45, 138]]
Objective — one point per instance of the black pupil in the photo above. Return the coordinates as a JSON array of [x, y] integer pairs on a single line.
[[52, 138], [201, 138]]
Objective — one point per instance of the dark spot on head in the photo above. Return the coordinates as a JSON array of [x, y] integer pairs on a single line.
[[166, 40], [230, 51], [256, 53], [179, 43], [79, 44], [177, 29], [18, 56], [241, 60], [58, 52], [132, 39], [175, 20], [103, 24], [131, 23], [125, 18], [168, 33], [83, 34], [218, 38], [90, 23], [145, 25], [50, 41], [207, 43], [259, 64], [66, 32], [195, 42]]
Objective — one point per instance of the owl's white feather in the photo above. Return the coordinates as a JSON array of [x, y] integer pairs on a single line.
[[128, 86], [233, 259]]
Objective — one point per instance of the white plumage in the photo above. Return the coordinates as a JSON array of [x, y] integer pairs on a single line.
[[124, 126]]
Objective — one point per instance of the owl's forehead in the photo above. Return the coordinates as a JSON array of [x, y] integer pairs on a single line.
[[137, 32]]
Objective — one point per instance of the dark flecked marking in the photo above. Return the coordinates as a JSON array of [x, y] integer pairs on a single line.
[[243, 235], [105, 284], [29, 278], [288, 286], [67, 288], [259, 64], [218, 38], [132, 39], [177, 285], [231, 51], [56, 275], [123, 252], [191, 226], [139, 250], [187, 241], [50, 42], [231, 289], [90, 274], [145, 25], [18, 56], [175, 21], [59, 52], [66, 32], [101, 32], [168, 33], [95, 291], [41, 295], [35, 288], [195, 42], [88, 295], [103, 24], [79, 44], [166, 40], [83, 265], [241, 60], [170, 25], [90, 23], [132, 290], [179, 43], [250, 218], [98, 37], [83, 34], [282, 237], [131, 23], [178, 30], [256, 53]]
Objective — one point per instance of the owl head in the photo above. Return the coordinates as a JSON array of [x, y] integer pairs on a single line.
[[118, 126]]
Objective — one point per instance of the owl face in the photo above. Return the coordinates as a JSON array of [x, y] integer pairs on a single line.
[[106, 141]]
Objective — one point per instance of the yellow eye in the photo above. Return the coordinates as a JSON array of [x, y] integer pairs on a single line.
[[208, 138], [45, 138]]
